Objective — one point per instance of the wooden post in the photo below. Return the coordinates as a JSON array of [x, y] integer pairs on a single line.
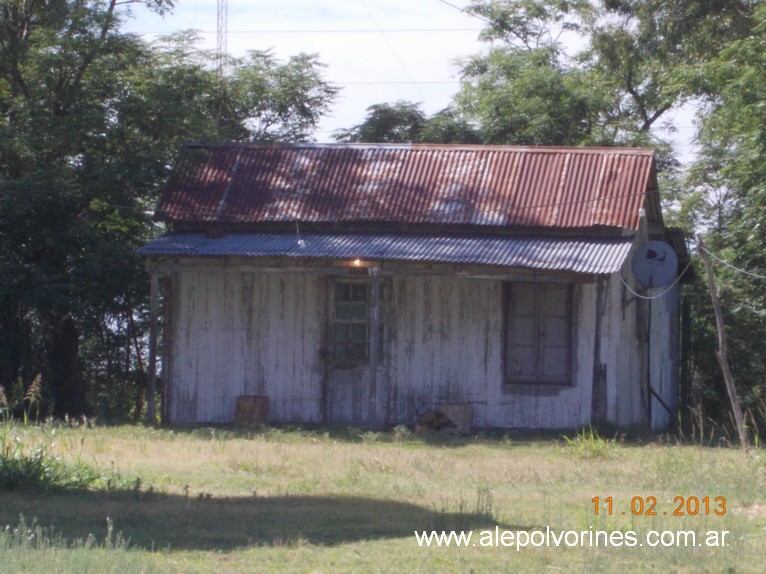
[[686, 393], [649, 389], [598, 389], [154, 293], [374, 325], [722, 355]]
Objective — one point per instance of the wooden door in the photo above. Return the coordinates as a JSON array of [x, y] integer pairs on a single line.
[[355, 391]]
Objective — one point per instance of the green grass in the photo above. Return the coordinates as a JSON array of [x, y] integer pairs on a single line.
[[327, 500]]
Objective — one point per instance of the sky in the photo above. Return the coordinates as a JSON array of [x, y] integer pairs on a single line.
[[377, 51]]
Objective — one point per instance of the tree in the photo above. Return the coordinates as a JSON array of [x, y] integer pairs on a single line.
[[528, 89], [580, 72], [56, 59], [727, 199], [401, 122], [450, 126], [90, 120], [405, 122], [529, 97], [281, 102]]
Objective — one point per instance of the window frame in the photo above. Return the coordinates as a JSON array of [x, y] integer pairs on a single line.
[[537, 378], [351, 362]]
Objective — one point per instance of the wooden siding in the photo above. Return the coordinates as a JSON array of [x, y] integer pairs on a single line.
[[233, 332], [445, 344], [447, 347], [625, 352], [244, 334], [665, 357]]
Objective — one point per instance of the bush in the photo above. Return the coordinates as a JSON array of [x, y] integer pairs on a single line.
[[28, 463]]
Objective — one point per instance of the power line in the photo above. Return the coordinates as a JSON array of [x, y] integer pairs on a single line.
[[322, 31], [393, 51], [730, 266], [464, 11], [397, 83]]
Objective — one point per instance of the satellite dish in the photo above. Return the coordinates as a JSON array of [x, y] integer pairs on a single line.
[[654, 264]]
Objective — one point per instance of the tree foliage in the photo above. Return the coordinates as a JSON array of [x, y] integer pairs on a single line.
[[89, 121], [406, 122], [574, 72], [726, 198], [530, 97], [279, 102]]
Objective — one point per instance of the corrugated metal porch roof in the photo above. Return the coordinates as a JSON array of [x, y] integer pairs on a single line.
[[593, 256], [501, 186]]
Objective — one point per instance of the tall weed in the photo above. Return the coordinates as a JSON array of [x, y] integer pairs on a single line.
[[589, 444], [28, 463]]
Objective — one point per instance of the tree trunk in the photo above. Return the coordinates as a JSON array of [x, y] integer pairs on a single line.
[[722, 352], [64, 366], [11, 342]]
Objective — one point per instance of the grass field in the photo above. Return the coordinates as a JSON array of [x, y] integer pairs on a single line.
[[323, 500]]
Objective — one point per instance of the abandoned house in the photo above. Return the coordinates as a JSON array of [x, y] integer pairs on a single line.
[[366, 284]]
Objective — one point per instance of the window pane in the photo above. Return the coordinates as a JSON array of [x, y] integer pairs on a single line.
[[341, 332], [522, 330], [358, 351], [556, 301], [358, 332], [555, 332], [342, 292], [524, 301], [341, 353], [358, 291], [556, 364], [342, 311], [351, 322], [521, 362], [359, 311]]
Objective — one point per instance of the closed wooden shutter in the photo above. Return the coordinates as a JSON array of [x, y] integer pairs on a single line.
[[538, 333]]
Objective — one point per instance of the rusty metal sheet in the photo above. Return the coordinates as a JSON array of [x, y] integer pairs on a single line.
[[545, 187], [603, 255]]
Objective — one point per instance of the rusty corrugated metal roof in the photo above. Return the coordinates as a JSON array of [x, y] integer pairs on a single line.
[[504, 186], [603, 255]]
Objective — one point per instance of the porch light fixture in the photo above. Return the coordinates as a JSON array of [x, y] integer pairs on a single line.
[[357, 263], [301, 242]]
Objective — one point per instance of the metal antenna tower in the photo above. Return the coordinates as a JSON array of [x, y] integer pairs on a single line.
[[221, 49]]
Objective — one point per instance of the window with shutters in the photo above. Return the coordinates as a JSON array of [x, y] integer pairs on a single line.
[[538, 333]]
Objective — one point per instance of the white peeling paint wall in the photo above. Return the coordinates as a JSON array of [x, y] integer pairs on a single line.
[[236, 334], [262, 333], [447, 346]]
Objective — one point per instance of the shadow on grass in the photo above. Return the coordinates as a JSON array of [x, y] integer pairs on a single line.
[[162, 521]]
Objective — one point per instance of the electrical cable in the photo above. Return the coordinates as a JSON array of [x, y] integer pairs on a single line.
[[464, 11], [730, 266], [652, 297], [393, 51]]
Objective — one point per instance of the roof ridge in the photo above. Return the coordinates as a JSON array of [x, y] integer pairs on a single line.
[[423, 146]]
